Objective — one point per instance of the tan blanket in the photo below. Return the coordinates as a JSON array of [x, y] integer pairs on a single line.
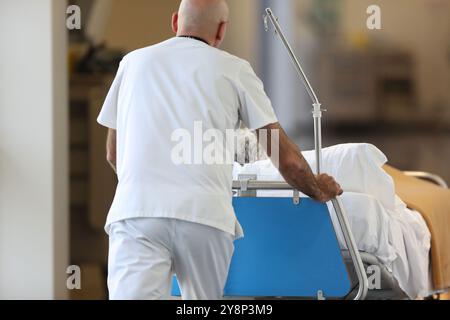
[[433, 203]]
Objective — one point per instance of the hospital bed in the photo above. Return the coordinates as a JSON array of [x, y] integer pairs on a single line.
[[290, 249], [247, 187], [389, 288]]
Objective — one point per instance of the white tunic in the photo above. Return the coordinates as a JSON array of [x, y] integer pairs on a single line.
[[158, 90]]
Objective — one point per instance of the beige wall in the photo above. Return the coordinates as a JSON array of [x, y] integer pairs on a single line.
[[143, 23], [33, 150], [422, 27], [243, 31], [139, 23]]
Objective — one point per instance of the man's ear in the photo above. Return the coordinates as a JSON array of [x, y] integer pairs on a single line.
[[175, 22], [220, 35]]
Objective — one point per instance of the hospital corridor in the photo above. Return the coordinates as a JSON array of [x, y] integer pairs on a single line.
[[223, 150]]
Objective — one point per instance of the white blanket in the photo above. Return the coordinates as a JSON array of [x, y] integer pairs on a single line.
[[380, 221]]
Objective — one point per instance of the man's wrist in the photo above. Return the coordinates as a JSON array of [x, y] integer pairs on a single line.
[[318, 195]]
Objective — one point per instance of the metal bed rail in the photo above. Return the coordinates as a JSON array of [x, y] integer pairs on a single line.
[[429, 177], [252, 185]]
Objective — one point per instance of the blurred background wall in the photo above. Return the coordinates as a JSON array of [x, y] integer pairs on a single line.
[[389, 87]]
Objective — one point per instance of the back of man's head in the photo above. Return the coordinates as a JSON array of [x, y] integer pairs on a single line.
[[202, 18]]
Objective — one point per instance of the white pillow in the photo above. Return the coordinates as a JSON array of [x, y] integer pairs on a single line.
[[357, 168]]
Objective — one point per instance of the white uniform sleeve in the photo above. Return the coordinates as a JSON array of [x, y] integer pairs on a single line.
[[108, 114], [256, 109]]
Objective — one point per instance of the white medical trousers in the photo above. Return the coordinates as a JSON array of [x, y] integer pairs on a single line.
[[144, 254]]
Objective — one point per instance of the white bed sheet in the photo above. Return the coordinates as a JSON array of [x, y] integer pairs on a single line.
[[398, 237]]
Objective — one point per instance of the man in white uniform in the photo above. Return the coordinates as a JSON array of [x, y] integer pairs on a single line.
[[169, 218]]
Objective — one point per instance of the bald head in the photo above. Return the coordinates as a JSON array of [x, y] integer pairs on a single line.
[[205, 19]]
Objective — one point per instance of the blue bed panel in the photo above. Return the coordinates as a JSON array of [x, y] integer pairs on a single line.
[[288, 251]]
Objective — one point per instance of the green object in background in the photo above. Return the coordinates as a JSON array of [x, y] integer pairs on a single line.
[[325, 16]]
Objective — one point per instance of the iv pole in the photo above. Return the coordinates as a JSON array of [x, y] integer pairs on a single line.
[[317, 115]]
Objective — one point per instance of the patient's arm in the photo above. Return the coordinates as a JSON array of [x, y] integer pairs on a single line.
[[111, 146], [296, 171]]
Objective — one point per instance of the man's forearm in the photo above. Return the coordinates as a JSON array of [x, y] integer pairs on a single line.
[[297, 172], [292, 165]]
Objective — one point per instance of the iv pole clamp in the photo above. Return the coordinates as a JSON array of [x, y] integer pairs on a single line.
[[317, 115]]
